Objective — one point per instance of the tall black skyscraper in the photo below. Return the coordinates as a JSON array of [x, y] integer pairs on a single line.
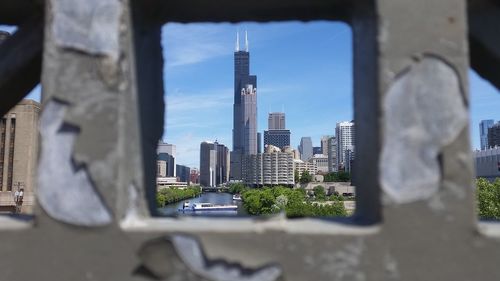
[[244, 86]]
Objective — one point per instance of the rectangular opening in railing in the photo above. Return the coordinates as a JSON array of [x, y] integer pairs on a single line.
[[259, 120], [485, 135], [19, 149]]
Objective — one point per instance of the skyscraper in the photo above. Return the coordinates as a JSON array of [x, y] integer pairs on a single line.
[[208, 162], [324, 144], [277, 134], [484, 125], [494, 136], [332, 154], [166, 152], [276, 121], [244, 109], [213, 163], [249, 113], [305, 148], [345, 141]]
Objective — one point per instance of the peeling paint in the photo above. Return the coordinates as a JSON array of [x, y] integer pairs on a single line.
[[90, 26], [133, 217], [65, 191], [424, 111], [193, 256], [341, 264]]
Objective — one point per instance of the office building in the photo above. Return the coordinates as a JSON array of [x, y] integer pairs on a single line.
[[249, 126], [183, 173], [223, 164], [317, 150], [484, 125], [494, 135], [273, 167], [194, 177], [487, 163], [321, 163], [332, 154], [278, 138], [169, 162], [167, 152], [276, 121], [344, 132], [208, 162], [213, 164], [324, 144], [277, 134], [305, 148], [18, 155], [161, 168], [259, 142], [244, 110]]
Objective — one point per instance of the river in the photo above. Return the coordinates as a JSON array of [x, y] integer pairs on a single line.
[[206, 197]]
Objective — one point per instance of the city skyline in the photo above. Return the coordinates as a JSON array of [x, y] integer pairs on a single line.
[[199, 82]]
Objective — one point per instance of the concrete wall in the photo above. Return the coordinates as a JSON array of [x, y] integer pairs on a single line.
[[411, 60]]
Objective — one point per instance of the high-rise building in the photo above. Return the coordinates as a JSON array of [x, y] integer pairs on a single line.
[[324, 144], [213, 163], [332, 154], [487, 163], [259, 143], [494, 135], [167, 152], [321, 163], [194, 176], [345, 140], [273, 167], [484, 125], [279, 138], [222, 165], [183, 173], [208, 162], [161, 168], [18, 154], [277, 134], [317, 150], [169, 162], [244, 109], [249, 105], [276, 121], [305, 148]]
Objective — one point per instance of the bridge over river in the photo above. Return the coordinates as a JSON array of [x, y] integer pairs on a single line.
[[215, 188]]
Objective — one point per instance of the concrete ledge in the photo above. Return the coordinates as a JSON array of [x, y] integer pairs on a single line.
[[192, 225]]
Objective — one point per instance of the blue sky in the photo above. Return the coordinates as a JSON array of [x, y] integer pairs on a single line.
[[303, 68]]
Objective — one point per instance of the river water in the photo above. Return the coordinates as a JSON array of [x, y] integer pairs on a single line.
[[207, 197]]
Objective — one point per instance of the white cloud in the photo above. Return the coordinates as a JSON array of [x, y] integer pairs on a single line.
[[193, 43]]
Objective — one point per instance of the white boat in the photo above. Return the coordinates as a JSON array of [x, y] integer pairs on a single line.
[[213, 207], [186, 205], [237, 197]]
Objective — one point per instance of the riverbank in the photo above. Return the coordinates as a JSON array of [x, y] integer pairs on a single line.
[[171, 195], [294, 202]]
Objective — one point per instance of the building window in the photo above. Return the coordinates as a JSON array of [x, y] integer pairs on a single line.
[[10, 168]]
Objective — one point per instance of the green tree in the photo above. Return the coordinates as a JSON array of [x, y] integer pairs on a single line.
[[488, 196], [235, 188], [305, 177], [319, 192]]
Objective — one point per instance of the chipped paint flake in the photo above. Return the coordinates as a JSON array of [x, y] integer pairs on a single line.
[[424, 111], [192, 255], [90, 26], [64, 191]]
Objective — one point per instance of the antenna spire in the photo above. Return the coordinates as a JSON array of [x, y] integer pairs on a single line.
[[237, 41], [246, 41]]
